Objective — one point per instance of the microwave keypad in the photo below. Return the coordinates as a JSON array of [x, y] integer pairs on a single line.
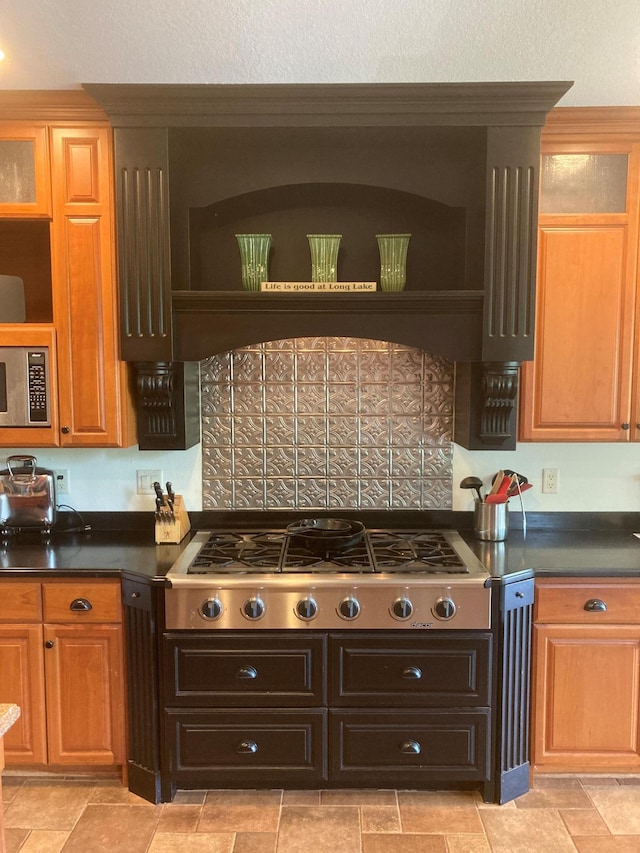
[[37, 388]]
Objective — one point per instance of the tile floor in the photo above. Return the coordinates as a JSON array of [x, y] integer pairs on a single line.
[[559, 815]]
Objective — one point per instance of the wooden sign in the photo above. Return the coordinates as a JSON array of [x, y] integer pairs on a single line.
[[318, 286]]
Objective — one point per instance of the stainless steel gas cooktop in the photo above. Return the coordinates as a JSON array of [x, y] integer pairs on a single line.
[[274, 579], [429, 552]]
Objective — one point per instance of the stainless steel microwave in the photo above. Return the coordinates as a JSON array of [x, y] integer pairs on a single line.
[[24, 387]]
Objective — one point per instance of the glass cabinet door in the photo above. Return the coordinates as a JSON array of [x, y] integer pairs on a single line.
[[590, 183], [24, 171]]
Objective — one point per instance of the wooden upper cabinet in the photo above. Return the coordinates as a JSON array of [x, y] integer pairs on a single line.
[[580, 386], [24, 171], [93, 394], [57, 233]]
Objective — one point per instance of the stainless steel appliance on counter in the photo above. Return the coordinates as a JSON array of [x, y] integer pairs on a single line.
[[27, 496]]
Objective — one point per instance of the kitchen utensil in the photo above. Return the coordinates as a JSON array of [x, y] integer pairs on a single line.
[[27, 495], [170, 497], [474, 483], [518, 487], [325, 536], [516, 480], [500, 489], [159, 494], [497, 499], [496, 482]]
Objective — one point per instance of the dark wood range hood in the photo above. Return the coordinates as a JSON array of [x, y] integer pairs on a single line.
[[456, 165]]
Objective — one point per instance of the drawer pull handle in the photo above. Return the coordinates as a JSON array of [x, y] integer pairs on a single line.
[[595, 605], [49, 644], [247, 672], [247, 747], [410, 747], [412, 672], [80, 604]]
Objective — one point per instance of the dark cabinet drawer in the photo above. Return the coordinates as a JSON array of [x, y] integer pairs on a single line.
[[240, 671], [444, 672], [247, 747], [415, 745]]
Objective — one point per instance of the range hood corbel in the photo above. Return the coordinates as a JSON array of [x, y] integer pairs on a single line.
[[168, 405], [487, 331]]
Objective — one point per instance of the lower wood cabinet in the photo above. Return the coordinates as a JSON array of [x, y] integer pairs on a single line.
[[61, 660], [586, 691]]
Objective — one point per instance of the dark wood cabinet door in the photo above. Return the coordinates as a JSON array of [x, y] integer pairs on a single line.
[[414, 746], [246, 748], [435, 672], [242, 672]]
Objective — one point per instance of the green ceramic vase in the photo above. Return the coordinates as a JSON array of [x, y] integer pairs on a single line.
[[324, 256], [254, 256], [393, 260]]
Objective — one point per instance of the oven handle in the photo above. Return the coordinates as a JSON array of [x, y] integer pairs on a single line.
[[247, 747], [247, 672], [412, 672]]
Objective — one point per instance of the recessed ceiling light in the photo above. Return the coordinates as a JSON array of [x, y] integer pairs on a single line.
[[1, 55]]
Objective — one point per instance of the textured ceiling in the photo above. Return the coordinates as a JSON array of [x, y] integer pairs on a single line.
[[59, 44]]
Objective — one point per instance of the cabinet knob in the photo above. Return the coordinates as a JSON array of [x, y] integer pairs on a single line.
[[247, 747], [595, 605], [412, 672], [135, 595], [81, 604], [410, 747], [247, 672], [65, 430], [48, 644], [625, 426]]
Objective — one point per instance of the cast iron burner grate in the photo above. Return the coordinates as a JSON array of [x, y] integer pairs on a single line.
[[238, 552], [382, 551], [415, 552]]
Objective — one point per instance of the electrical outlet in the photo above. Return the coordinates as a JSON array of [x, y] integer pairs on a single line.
[[145, 480], [550, 481], [62, 481]]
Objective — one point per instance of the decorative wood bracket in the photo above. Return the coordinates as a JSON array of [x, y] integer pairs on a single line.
[[167, 405], [499, 392]]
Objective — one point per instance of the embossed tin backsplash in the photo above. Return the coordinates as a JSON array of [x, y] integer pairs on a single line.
[[321, 423]]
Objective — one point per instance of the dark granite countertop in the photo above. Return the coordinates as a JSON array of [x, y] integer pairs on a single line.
[[95, 554], [549, 548], [576, 553]]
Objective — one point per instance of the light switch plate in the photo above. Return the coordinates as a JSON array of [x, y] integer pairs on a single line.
[[145, 479]]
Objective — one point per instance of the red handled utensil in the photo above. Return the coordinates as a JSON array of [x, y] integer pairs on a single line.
[[501, 495]]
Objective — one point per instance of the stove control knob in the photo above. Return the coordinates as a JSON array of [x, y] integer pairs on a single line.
[[306, 609], [253, 608], [349, 608], [402, 608], [211, 608], [444, 609]]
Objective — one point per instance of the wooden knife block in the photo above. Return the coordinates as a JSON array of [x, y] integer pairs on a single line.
[[172, 528]]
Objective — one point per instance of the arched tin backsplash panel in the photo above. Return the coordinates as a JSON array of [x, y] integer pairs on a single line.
[[322, 423]]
